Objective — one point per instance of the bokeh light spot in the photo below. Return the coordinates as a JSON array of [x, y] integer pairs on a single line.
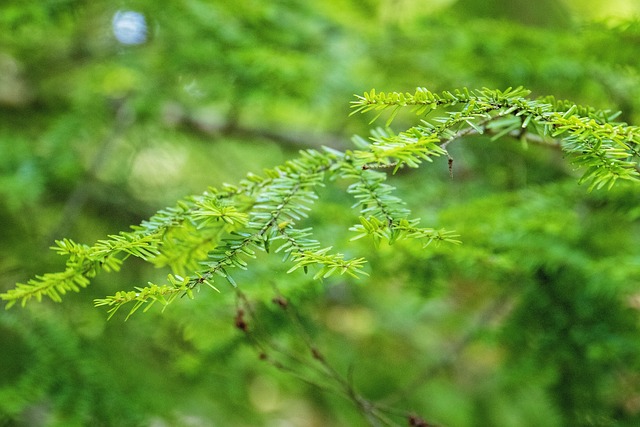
[[129, 27]]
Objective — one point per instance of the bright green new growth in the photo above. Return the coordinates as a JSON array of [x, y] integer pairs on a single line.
[[203, 238]]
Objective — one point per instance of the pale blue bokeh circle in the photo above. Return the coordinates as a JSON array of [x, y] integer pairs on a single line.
[[129, 27]]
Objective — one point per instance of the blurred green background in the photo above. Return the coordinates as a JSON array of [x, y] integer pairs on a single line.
[[111, 110]]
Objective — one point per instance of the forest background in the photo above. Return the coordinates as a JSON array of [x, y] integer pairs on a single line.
[[533, 320]]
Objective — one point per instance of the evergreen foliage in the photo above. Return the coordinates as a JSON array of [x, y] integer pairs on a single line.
[[531, 321], [223, 228], [210, 235]]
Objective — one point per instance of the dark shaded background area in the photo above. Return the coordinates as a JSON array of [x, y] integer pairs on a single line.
[[532, 321]]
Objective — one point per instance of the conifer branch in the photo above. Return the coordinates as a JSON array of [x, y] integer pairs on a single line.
[[605, 150], [203, 238]]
